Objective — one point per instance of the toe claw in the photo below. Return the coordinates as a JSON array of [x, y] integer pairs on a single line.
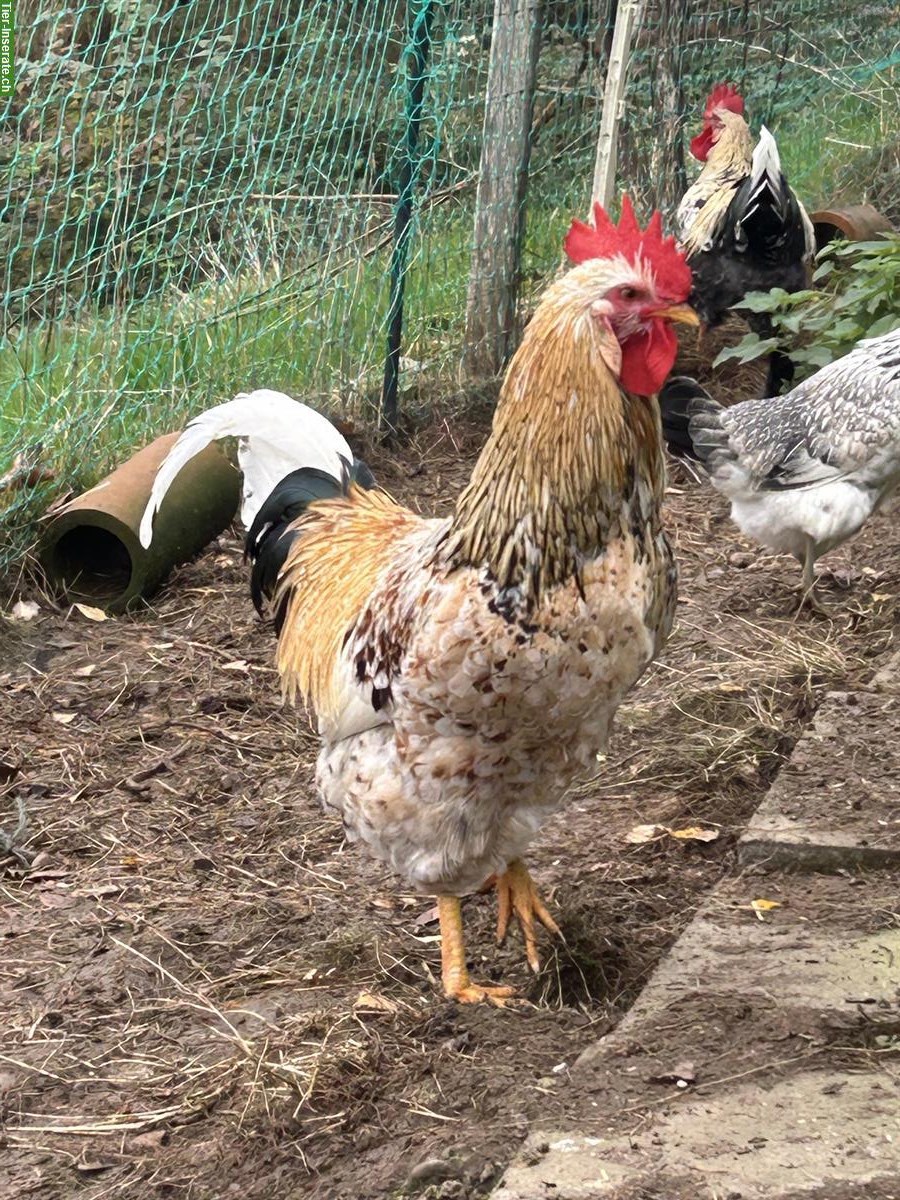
[[516, 893], [477, 993]]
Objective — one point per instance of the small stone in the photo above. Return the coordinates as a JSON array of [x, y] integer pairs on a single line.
[[452, 1189], [741, 558], [431, 1170]]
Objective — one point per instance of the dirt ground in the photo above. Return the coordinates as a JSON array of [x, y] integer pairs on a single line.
[[205, 993]]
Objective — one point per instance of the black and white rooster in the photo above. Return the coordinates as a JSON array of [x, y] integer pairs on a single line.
[[741, 226]]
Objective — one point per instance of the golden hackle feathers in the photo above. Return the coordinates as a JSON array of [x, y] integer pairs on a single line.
[[565, 444], [708, 198], [346, 546]]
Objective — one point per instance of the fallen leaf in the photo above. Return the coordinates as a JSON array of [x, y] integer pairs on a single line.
[[763, 906], [25, 610], [92, 1167], [92, 614], [682, 1075], [428, 917], [152, 1140], [880, 597], [694, 833], [644, 833], [63, 718], [239, 664], [100, 893], [84, 672], [370, 1002]]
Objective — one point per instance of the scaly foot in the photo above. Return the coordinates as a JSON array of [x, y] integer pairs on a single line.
[[517, 893], [476, 993], [454, 972], [810, 601]]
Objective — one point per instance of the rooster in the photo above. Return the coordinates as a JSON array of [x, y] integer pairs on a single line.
[[465, 671], [803, 471], [741, 226]]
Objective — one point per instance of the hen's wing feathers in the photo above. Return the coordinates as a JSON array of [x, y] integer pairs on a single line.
[[842, 420]]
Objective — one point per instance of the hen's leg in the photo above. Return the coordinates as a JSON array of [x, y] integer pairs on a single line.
[[517, 893], [454, 972], [809, 596]]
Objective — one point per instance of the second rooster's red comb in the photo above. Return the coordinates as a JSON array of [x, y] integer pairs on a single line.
[[606, 239], [724, 95]]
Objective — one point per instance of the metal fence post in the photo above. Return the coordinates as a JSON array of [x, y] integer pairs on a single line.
[[419, 17]]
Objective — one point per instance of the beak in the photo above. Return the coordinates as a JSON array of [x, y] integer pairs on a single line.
[[682, 313]]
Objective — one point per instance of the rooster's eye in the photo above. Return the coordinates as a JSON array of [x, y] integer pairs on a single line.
[[628, 293]]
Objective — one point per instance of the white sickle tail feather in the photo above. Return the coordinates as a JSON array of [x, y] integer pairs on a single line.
[[276, 435]]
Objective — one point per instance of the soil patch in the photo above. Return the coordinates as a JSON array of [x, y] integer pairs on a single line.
[[205, 993]]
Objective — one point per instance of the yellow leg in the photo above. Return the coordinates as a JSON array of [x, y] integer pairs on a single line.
[[517, 893], [454, 972]]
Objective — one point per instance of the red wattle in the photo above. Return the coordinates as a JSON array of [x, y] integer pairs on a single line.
[[702, 143], [647, 359]]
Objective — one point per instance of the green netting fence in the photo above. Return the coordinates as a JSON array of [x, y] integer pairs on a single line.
[[201, 195]]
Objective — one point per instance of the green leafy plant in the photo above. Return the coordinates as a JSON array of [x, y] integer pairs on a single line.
[[858, 297]]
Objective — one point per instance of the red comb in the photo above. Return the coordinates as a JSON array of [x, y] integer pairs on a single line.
[[724, 95], [605, 239]]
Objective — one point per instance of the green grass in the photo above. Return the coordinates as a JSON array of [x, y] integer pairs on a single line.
[[818, 142], [89, 391]]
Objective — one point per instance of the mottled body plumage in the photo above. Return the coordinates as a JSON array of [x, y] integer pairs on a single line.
[[476, 663]]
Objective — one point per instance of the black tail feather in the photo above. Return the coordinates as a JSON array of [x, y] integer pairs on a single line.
[[268, 538], [675, 400]]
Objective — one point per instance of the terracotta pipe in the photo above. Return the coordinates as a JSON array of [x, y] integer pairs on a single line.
[[90, 550], [851, 222]]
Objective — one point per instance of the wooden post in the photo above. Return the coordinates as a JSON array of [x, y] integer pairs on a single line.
[[628, 17], [502, 182]]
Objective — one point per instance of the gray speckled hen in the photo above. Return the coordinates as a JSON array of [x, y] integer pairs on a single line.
[[803, 471]]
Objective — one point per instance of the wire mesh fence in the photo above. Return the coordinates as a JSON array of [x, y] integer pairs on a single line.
[[202, 195]]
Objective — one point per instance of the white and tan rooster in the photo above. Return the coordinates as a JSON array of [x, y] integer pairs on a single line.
[[465, 671]]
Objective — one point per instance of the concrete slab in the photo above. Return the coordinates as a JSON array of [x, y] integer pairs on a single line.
[[836, 804], [746, 1002], [771, 1017], [824, 952], [887, 677], [804, 1136]]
